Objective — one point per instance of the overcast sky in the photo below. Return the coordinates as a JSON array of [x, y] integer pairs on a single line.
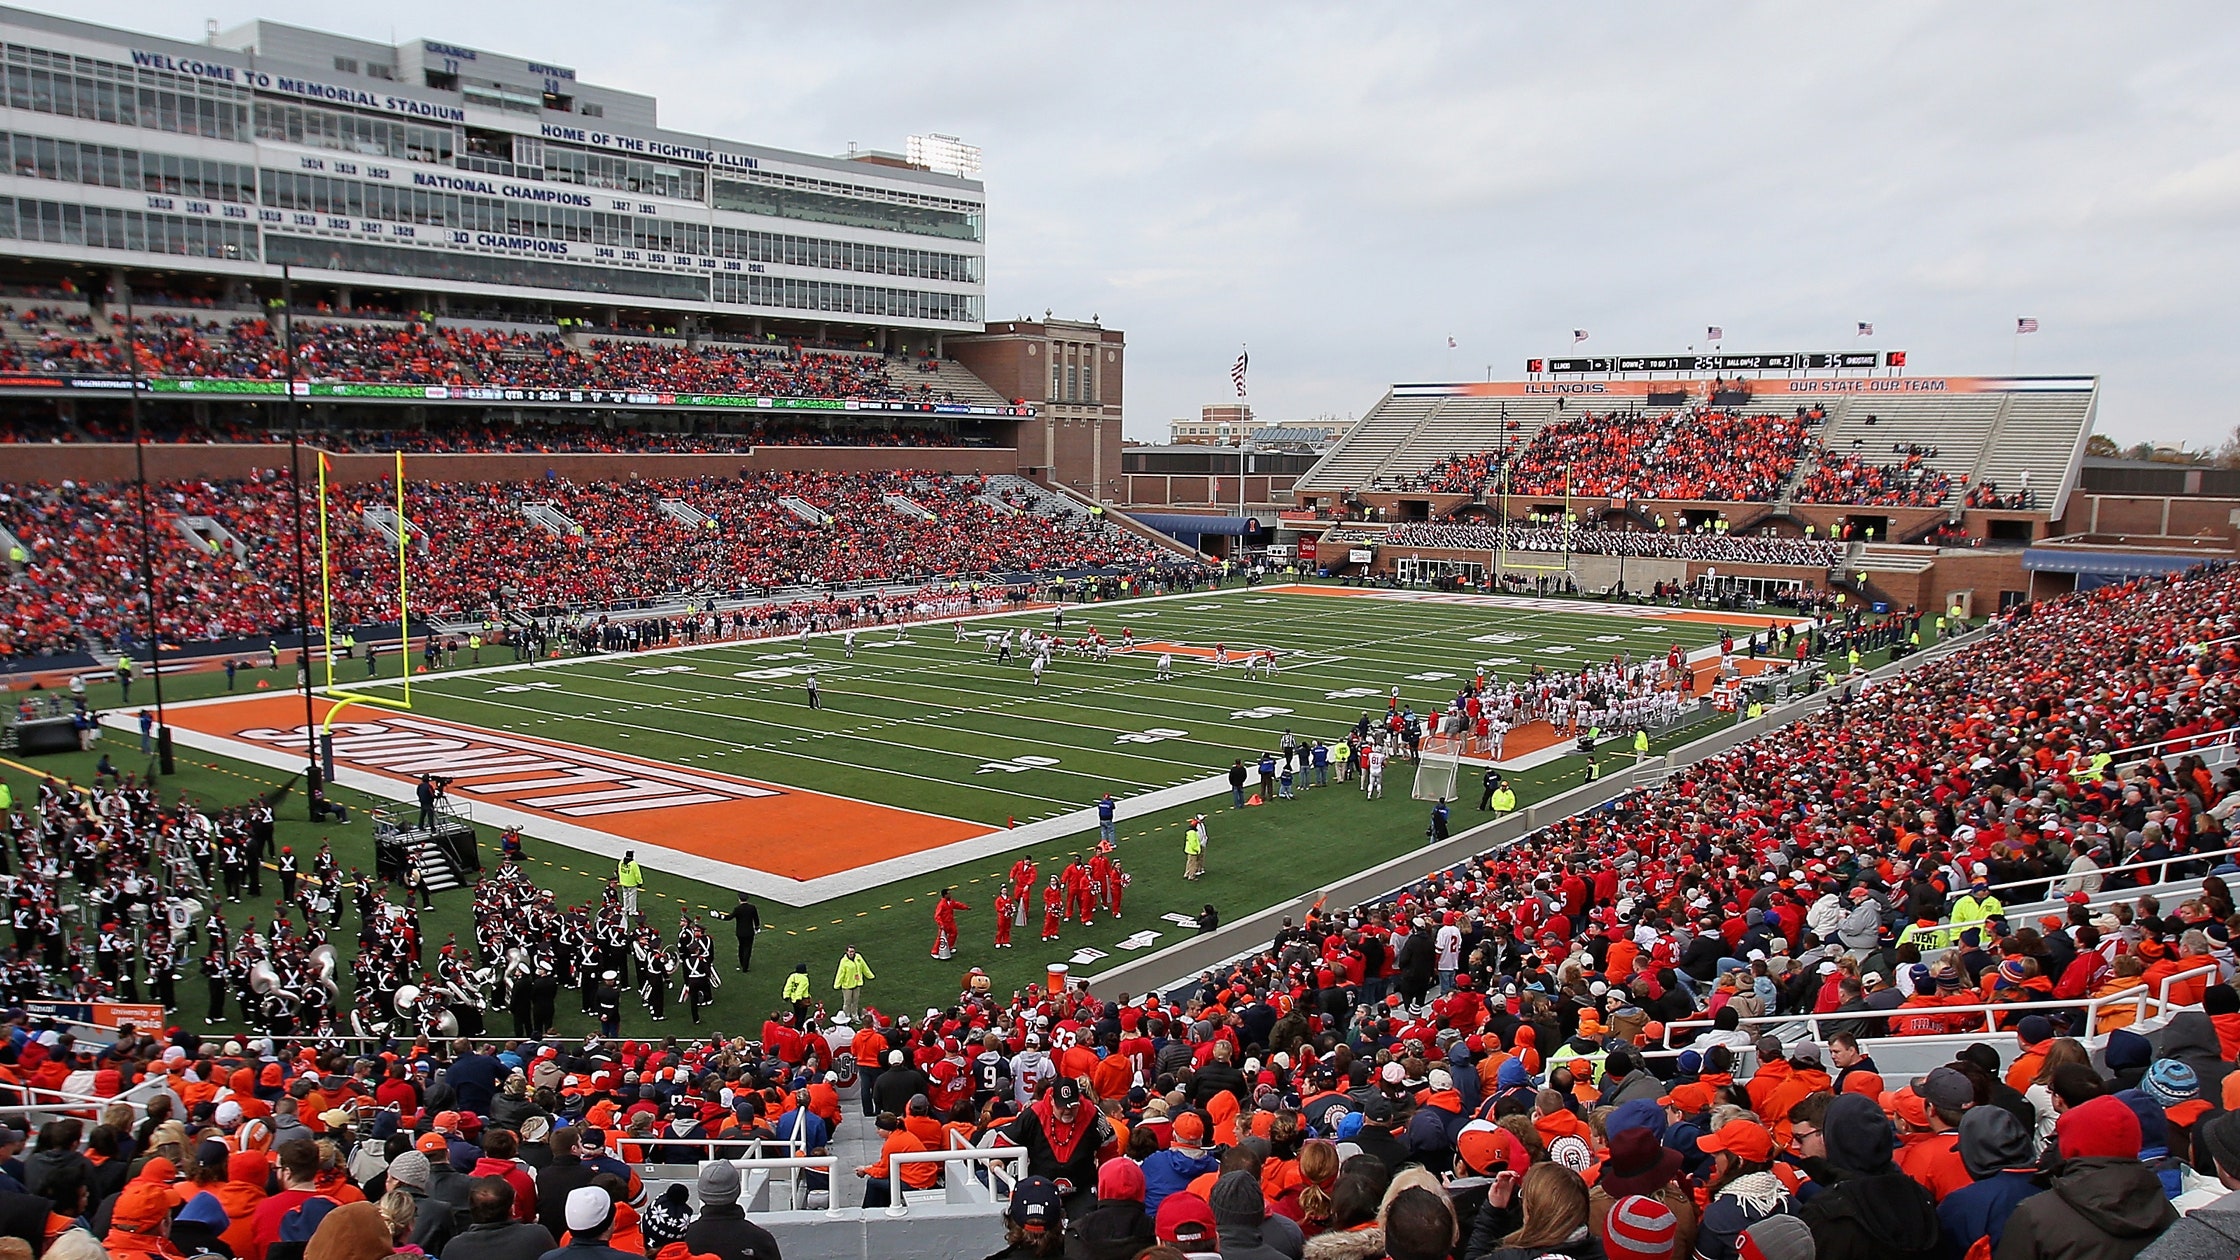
[[1345, 187]]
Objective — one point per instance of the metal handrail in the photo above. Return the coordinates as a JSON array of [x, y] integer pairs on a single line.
[[2127, 757], [2163, 863], [992, 1156], [1991, 1011], [793, 1166]]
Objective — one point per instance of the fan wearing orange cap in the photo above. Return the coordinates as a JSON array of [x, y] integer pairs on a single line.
[[140, 1222], [1743, 1188]]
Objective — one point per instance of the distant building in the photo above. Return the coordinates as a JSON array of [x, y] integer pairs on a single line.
[[1218, 424]]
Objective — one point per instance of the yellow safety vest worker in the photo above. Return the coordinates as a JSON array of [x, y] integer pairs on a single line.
[[854, 970], [630, 875]]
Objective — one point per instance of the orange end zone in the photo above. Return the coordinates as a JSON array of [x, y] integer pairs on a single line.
[[783, 831], [1191, 650]]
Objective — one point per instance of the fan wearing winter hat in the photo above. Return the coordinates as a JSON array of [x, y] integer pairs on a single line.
[[722, 1228], [1641, 1164], [590, 1214], [2174, 1086], [1641, 1228], [2103, 1205]]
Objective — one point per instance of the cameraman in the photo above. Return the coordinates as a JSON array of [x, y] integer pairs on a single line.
[[431, 787]]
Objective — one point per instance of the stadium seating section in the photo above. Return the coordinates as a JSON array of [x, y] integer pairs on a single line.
[[71, 339], [2005, 450], [476, 548], [1672, 455]]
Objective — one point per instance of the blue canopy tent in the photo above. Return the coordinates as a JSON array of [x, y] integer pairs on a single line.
[[1187, 528]]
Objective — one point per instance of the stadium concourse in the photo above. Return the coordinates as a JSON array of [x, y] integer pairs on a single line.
[[1647, 1030]]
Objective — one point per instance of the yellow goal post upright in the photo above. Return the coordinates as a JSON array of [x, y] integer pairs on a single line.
[[337, 690]]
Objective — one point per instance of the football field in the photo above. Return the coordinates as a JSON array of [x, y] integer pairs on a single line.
[[928, 763]]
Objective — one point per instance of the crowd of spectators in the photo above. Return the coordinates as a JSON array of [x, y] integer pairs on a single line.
[[1986, 494], [81, 568], [1473, 1068], [476, 550], [187, 343], [1710, 545], [491, 436], [1903, 481], [1687, 454]]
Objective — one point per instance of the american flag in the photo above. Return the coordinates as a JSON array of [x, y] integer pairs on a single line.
[[1578, 335], [1236, 373], [1866, 329], [2025, 325], [1715, 333]]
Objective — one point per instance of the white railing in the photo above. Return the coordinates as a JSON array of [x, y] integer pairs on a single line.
[[2140, 998], [793, 1166], [2161, 867], [998, 1160], [2202, 742]]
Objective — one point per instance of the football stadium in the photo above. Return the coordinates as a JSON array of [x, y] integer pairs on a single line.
[[570, 669]]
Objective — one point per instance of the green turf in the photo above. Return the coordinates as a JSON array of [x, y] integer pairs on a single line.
[[921, 696]]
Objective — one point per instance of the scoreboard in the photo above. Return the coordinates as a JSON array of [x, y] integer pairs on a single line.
[[1792, 362]]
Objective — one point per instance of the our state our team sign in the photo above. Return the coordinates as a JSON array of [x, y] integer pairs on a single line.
[[592, 798]]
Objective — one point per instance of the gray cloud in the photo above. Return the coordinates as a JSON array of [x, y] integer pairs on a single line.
[[1346, 186]]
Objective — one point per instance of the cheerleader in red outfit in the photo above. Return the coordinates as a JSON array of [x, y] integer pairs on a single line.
[[1053, 907], [1003, 918]]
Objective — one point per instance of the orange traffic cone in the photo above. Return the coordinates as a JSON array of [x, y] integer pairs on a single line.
[[421, 670], [264, 684], [1254, 799]]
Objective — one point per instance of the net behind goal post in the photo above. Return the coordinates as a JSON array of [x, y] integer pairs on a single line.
[[1439, 760]]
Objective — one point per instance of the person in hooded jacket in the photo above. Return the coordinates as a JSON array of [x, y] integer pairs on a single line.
[[1239, 1212], [1625, 1080], [1184, 1160], [2002, 1155], [1117, 1228], [199, 1227], [1873, 1211], [2103, 1204], [1438, 1118], [2126, 1055]]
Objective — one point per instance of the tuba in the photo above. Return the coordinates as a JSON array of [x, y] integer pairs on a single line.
[[323, 967], [264, 981]]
